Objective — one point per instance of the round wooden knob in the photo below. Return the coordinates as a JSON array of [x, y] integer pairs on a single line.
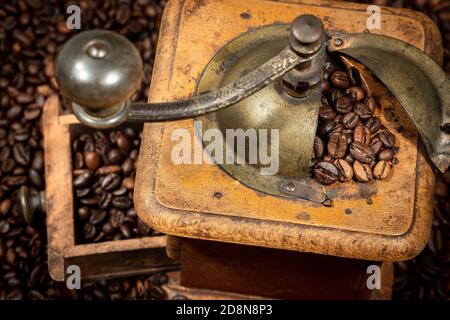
[[98, 70]]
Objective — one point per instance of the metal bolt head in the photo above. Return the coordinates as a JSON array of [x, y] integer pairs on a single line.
[[98, 69], [307, 29]]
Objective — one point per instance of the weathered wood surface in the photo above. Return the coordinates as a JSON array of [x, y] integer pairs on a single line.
[[178, 199]]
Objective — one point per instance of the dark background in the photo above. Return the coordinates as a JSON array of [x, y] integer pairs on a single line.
[[31, 33]]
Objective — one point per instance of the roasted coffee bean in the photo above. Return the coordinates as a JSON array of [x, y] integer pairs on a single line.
[[371, 104], [339, 79], [376, 145], [4, 227], [387, 138], [363, 111], [326, 172], [120, 191], [115, 157], [361, 134], [79, 160], [21, 154], [350, 120], [108, 170], [122, 202], [84, 213], [116, 218], [362, 171], [38, 275], [158, 279], [38, 161], [105, 200], [97, 216], [111, 182], [345, 170], [374, 124], [325, 85], [35, 179], [361, 152], [349, 158], [5, 206], [335, 94], [386, 154], [127, 166], [326, 113], [92, 160], [337, 145], [343, 105], [128, 183], [326, 127], [125, 230], [157, 292], [8, 165], [89, 231], [318, 147], [338, 128], [107, 228], [83, 179], [123, 142], [142, 229], [381, 169], [356, 93]]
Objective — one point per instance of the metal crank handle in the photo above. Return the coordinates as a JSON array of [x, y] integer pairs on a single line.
[[99, 70]]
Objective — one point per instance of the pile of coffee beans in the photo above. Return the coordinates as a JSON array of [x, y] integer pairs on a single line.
[[31, 33], [104, 168], [351, 142]]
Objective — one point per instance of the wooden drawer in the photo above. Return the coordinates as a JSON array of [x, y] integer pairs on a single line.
[[96, 260]]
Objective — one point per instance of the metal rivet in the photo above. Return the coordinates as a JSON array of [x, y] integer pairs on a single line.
[[338, 42], [289, 187]]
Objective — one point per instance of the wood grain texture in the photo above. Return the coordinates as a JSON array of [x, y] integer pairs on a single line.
[[178, 199], [97, 260], [58, 181]]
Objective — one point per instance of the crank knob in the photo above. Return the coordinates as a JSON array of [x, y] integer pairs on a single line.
[[306, 34], [30, 202], [99, 70]]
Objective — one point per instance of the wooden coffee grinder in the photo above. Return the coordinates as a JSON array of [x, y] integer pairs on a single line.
[[237, 230]]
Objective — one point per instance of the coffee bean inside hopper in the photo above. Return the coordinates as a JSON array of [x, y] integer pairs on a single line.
[[351, 131]]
